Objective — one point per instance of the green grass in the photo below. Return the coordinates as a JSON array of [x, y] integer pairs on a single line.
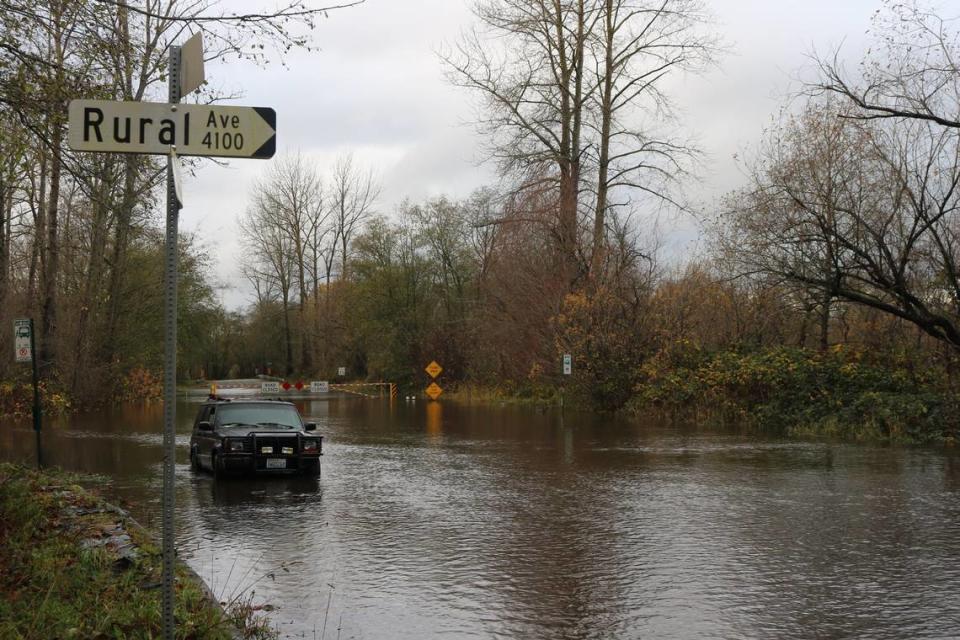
[[469, 393], [50, 587]]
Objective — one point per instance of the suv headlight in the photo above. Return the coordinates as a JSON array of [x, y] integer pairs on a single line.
[[233, 445], [310, 445]]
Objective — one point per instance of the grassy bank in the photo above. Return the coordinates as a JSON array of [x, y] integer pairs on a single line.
[[71, 566], [469, 393], [838, 393]]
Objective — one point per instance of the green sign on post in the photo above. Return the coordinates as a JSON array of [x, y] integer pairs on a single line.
[[23, 351]]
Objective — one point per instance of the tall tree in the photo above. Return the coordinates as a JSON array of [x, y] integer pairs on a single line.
[[353, 195], [637, 47], [534, 96], [571, 93], [290, 197]]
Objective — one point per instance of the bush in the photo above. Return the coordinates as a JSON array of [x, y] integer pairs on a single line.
[[16, 399], [802, 392], [140, 384]]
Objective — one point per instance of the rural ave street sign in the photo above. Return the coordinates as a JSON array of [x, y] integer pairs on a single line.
[[153, 127]]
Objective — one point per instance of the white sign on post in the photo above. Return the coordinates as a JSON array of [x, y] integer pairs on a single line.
[[154, 127], [567, 364], [270, 387], [21, 341], [341, 371], [191, 64], [319, 386]]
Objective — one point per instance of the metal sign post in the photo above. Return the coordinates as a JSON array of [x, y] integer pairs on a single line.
[[567, 370], [25, 350], [170, 366], [173, 130], [37, 407]]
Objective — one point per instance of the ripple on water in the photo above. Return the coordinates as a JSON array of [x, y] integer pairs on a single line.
[[505, 523]]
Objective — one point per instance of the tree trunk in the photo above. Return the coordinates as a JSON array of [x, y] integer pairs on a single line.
[[118, 256], [825, 322], [39, 224], [91, 285], [51, 265], [6, 210], [603, 163]]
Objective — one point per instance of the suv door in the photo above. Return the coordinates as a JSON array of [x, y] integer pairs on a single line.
[[203, 439]]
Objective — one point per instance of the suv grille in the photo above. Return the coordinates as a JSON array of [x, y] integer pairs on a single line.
[[277, 444]]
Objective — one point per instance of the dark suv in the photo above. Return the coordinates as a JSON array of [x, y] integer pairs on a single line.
[[254, 436]]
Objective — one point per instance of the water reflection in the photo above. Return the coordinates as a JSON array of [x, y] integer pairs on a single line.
[[437, 520]]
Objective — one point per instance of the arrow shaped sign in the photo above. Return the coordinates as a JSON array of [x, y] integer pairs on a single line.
[[153, 127]]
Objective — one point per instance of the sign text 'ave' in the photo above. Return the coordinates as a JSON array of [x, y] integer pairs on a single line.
[[153, 128]]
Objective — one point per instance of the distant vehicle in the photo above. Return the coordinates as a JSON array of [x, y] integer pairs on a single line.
[[253, 437]]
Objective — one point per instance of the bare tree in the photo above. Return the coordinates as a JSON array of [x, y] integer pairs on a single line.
[[912, 71], [272, 267], [353, 194], [571, 91], [289, 214], [636, 148], [534, 95], [865, 212]]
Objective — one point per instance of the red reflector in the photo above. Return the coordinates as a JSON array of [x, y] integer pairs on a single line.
[[286, 386], [299, 385]]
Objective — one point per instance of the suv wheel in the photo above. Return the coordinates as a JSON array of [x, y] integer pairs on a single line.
[[215, 466], [194, 460]]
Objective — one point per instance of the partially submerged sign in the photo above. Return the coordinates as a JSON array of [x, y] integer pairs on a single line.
[[270, 387], [153, 127], [433, 391]]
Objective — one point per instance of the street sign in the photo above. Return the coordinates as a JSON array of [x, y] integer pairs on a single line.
[[177, 168], [433, 391], [341, 371], [191, 64], [567, 364], [319, 386], [433, 369], [270, 387], [153, 127], [22, 332]]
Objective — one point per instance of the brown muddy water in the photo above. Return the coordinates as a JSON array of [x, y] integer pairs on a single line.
[[446, 521]]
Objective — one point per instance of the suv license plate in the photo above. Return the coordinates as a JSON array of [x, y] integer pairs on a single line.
[[276, 463]]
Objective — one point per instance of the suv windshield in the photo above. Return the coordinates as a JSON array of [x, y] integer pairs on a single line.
[[266, 415]]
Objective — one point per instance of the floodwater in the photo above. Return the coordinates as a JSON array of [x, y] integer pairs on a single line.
[[446, 521]]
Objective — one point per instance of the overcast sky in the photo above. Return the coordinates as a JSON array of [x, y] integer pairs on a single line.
[[376, 88]]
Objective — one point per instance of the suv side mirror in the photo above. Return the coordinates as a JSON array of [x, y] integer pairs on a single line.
[[204, 426], [310, 426]]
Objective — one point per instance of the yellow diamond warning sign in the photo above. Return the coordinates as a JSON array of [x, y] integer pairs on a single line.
[[433, 391], [434, 369]]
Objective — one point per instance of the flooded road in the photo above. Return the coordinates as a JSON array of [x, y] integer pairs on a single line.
[[448, 521]]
